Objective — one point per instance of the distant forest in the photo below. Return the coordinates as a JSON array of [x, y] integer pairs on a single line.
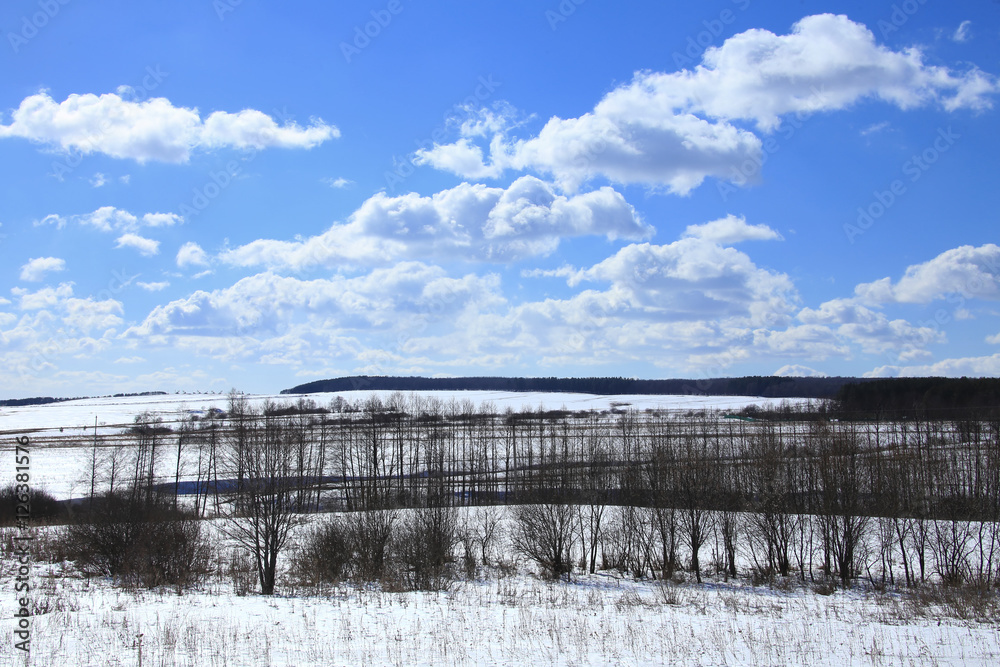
[[765, 386], [923, 397], [45, 400]]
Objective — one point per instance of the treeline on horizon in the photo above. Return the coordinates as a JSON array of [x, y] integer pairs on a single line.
[[46, 400], [920, 398], [861, 398], [769, 386]]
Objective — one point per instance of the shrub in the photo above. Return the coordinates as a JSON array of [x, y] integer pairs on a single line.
[[425, 546], [544, 534], [325, 553], [138, 543], [43, 506]]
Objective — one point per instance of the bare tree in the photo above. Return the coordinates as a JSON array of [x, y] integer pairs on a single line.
[[844, 519], [261, 509], [697, 487], [544, 534]]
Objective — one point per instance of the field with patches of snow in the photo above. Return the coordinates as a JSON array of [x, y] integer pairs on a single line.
[[77, 417], [499, 620], [61, 433]]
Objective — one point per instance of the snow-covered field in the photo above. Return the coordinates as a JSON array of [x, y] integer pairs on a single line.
[[499, 619], [77, 417], [520, 620], [61, 433]]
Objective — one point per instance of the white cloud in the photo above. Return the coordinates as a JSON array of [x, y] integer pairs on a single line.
[[875, 128], [53, 325], [161, 219], [695, 279], [35, 269], [98, 180], [963, 32], [265, 305], [565, 272], [731, 229], [154, 287], [988, 366], [826, 63], [799, 371], [83, 315], [191, 254], [674, 150], [151, 130], [675, 129], [693, 305], [972, 272], [129, 360], [111, 219], [871, 330], [145, 247], [994, 339], [471, 222], [338, 183]]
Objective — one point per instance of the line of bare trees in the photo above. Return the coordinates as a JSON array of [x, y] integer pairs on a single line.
[[894, 500]]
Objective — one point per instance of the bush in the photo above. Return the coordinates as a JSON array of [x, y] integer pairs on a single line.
[[544, 534], [138, 543], [43, 506], [325, 553], [370, 536], [411, 553], [425, 546]]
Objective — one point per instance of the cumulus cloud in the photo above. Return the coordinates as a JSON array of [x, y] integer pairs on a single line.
[[969, 271], [676, 129], [471, 222], [111, 219], [84, 315], [52, 324], [153, 287], [676, 150], [695, 279], [826, 63], [267, 303], [799, 371], [693, 305], [36, 269], [870, 329], [191, 254], [145, 247], [731, 229], [988, 366], [151, 130]]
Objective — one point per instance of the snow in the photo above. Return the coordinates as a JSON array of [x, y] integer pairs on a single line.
[[518, 620], [76, 417], [61, 434], [500, 619]]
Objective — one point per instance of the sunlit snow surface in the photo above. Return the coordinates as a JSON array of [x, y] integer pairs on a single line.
[[77, 417], [496, 620], [62, 432], [519, 620]]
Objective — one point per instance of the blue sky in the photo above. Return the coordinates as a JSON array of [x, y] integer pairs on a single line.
[[200, 195]]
